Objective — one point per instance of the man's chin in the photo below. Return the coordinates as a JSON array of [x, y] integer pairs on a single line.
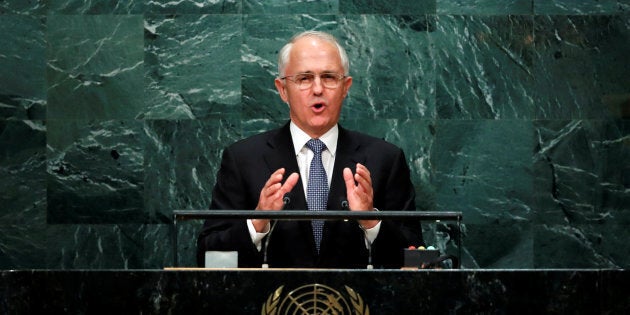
[[319, 126]]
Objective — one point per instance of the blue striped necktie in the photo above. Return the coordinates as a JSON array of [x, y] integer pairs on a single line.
[[317, 189]]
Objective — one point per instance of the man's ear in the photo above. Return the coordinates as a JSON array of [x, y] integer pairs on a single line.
[[347, 83], [282, 90]]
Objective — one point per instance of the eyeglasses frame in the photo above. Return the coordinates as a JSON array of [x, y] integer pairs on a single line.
[[339, 77]]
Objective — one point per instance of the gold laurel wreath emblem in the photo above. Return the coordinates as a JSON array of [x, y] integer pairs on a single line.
[[357, 302], [270, 307], [275, 301]]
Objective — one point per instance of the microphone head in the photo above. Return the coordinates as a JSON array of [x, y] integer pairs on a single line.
[[344, 205]]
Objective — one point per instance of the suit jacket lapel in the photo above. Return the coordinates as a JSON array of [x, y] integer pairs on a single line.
[[282, 154]]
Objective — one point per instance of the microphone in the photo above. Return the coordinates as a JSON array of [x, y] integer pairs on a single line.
[[344, 205], [286, 200]]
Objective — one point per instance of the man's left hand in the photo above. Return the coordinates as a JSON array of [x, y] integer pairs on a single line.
[[360, 193]]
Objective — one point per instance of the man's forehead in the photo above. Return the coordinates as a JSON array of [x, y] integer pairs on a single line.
[[314, 44], [306, 56]]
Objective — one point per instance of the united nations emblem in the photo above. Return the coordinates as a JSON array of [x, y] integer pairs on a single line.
[[315, 299]]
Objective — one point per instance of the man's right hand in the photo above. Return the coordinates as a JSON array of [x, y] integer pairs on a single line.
[[271, 196]]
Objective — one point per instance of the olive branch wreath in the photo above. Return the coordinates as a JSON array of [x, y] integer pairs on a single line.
[[270, 307]]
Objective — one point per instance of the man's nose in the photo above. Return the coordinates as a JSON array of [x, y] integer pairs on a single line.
[[318, 88]]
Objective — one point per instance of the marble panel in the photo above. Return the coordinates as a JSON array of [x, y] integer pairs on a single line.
[[582, 194], [581, 7], [22, 194], [95, 66], [192, 66], [193, 6], [387, 7], [95, 6], [290, 6], [252, 127], [581, 246], [581, 67], [187, 232], [391, 65], [23, 246], [581, 170], [22, 172], [485, 67], [65, 246], [22, 67], [30, 7], [485, 7], [102, 246], [498, 245], [181, 161], [95, 171], [483, 168]]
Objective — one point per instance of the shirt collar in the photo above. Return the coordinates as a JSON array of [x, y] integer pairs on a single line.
[[300, 138]]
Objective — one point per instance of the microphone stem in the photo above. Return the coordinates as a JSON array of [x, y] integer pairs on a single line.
[[285, 201], [265, 264], [369, 248], [370, 266]]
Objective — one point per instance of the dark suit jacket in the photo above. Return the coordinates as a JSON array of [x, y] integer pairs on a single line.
[[246, 166]]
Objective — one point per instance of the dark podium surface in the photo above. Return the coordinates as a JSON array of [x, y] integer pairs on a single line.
[[293, 291]]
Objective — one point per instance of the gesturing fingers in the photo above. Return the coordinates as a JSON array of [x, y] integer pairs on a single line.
[[359, 188], [273, 184], [363, 178], [272, 194]]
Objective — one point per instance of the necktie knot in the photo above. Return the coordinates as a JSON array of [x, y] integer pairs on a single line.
[[316, 145]]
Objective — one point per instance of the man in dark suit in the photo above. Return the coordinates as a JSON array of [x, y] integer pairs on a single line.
[[361, 173]]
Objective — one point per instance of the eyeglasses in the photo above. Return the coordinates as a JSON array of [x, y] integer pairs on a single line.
[[304, 81]]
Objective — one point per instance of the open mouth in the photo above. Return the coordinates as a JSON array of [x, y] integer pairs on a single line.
[[318, 106]]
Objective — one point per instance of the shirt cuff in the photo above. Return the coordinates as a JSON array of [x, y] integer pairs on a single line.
[[256, 236], [371, 234]]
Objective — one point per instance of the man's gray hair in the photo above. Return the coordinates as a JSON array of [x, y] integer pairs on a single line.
[[285, 52]]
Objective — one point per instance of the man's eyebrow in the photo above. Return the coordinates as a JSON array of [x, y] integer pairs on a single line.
[[313, 72]]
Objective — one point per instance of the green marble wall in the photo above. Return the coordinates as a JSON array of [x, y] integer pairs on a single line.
[[114, 113]]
